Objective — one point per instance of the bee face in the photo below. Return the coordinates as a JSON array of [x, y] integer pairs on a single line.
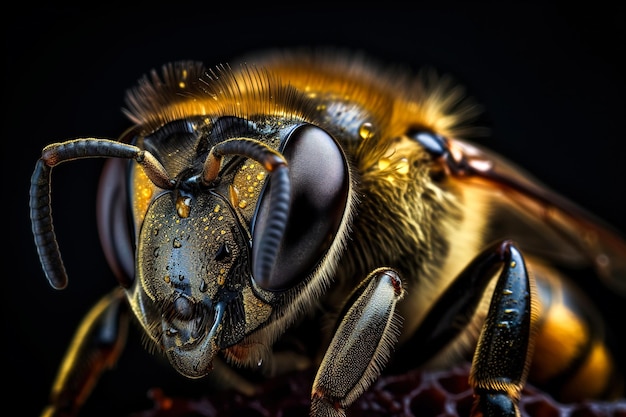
[[190, 268], [201, 280]]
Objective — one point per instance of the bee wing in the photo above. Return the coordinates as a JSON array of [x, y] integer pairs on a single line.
[[542, 221]]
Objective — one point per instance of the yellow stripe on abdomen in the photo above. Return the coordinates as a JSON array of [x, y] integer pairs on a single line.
[[571, 358]]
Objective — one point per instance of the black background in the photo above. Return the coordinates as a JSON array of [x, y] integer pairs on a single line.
[[550, 79]]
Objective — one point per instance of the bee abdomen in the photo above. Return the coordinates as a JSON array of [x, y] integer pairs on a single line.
[[571, 358]]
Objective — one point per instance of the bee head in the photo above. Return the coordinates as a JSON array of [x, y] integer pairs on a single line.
[[219, 253]]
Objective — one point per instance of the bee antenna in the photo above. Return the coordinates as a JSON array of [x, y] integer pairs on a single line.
[[40, 206]]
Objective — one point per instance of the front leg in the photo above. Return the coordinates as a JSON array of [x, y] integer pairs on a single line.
[[504, 349], [96, 347], [360, 346]]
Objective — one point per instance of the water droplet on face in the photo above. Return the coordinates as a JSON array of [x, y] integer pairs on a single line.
[[183, 206], [260, 362], [176, 243], [403, 166], [366, 130], [204, 286], [383, 163]]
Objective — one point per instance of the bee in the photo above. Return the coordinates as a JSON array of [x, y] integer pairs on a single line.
[[318, 193]]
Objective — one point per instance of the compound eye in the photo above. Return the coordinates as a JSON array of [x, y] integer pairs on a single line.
[[320, 183], [114, 220]]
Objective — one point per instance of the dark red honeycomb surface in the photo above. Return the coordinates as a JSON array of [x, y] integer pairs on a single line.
[[413, 394]]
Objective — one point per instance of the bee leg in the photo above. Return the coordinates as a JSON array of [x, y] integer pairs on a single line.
[[95, 347], [502, 356], [501, 359], [360, 346]]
